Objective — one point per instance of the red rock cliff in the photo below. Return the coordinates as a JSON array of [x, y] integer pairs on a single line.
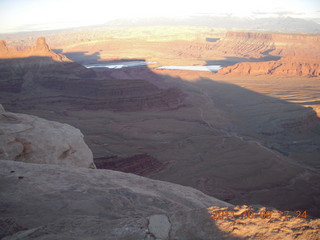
[[41, 49], [246, 44], [300, 54], [285, 67]]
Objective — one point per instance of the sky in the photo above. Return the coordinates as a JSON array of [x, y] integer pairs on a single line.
[[32, 15]]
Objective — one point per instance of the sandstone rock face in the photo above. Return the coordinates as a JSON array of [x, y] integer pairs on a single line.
[[3, 47], [41, 49], [28, 138], [54, 202], [299, 54], [242, 44], [41, 45], [246, 44], [293, 67], [19, 67], [95, 204]]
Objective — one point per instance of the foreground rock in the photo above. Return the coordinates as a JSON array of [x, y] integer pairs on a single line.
[[55, 202], [31, 139], [63, 203], [260, 223]]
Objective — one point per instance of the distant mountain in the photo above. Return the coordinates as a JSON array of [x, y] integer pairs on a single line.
[[271, 24], [280, 24]]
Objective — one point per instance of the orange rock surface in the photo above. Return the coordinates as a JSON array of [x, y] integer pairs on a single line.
[[41, 49], [284, 67]]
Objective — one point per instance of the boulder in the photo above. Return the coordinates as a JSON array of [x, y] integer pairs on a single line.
[[159, 226], [31, 139]]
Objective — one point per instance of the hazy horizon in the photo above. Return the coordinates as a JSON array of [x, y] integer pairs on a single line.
[[36, 15]]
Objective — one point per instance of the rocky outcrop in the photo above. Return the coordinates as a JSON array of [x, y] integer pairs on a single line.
[[285, 67], [41, 45], [41, 49], [54, 202], [26, 68], [256, 223], [140, 164], [101, 204], [3, 47], [31, 139]]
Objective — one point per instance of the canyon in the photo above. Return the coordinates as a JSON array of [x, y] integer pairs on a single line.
[[296, 59], [57, 79], [65, 200], [247, 135]]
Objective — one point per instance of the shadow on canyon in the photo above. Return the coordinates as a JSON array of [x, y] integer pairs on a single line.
[[94, 58], [84, 58], [229, 61], [208, 39], [253, 114]]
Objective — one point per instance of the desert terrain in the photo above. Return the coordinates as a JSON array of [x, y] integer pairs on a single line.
[[247, 134]]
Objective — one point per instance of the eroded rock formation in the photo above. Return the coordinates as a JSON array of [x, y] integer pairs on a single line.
[[247, 44], [31, 139], [299, 53], [3, 47], [285, 67], [41, 49]]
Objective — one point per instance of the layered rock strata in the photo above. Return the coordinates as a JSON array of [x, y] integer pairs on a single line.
[[41, 49], [44, 77], [254, 45], [299, 54], [285, 67]]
